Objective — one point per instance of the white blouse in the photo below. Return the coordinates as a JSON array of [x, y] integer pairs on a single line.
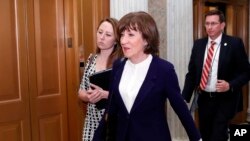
[[131, 81]]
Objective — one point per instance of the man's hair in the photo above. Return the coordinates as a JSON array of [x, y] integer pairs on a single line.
[[216, 12]]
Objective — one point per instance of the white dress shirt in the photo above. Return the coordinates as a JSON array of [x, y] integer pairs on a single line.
[[212, 76], [131, 81]]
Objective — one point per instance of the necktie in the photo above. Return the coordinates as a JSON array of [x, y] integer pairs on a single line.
[[207, 66]]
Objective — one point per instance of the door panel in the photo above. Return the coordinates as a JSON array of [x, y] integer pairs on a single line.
[[50, 128], [47, 67], [14, 100]]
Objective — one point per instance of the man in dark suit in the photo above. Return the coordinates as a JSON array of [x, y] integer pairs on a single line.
[[217, 75]]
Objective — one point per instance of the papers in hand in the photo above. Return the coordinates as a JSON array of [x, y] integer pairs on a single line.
[[101, 78]]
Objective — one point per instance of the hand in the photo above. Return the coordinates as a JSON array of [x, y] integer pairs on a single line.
[[104, 93], [82, 95], [222, 86], [91, 95], [95, 93]]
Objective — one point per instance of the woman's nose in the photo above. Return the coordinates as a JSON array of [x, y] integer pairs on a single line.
[[123, 40], [102, 36]]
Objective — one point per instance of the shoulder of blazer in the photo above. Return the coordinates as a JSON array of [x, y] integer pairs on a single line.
[[229, 38], [200, 43], [232, 42], [161, 64], [201, 40], [118, 64]]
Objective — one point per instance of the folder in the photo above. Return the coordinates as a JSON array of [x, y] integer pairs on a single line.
[[101, 78], [194, 104]]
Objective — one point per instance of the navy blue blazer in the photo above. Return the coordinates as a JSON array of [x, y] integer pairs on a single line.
[[147, 119], [233, 67]]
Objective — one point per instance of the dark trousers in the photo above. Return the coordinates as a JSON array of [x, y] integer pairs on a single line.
[[215, 112]]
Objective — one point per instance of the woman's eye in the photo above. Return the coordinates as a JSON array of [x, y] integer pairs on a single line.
[[108, 35], [130, 34]]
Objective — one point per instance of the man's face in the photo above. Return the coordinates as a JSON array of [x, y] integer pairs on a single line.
[[213, 26]]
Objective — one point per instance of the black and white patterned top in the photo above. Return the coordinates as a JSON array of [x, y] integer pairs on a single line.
[[93, 115]]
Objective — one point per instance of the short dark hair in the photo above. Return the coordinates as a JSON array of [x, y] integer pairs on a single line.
[[216, 12], [143, 22]]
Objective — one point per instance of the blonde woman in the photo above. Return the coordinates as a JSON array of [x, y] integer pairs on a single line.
[[107, 51]]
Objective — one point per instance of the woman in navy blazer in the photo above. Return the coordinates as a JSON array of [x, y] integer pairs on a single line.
[[141, 84]]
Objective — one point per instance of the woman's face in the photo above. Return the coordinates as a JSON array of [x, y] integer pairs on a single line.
[[133, 45], [105, 36]]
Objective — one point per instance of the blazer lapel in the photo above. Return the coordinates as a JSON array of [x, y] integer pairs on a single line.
[[116, 82], [223, 50], [147, 85], [201, 54]]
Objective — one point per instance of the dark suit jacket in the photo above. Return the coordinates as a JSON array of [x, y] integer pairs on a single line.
[[233, 67], [147, 119]]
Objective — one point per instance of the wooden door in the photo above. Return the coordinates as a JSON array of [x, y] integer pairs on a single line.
[[47, 70], [236, 14], [36, 101], [33, 102], [14, 88]]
